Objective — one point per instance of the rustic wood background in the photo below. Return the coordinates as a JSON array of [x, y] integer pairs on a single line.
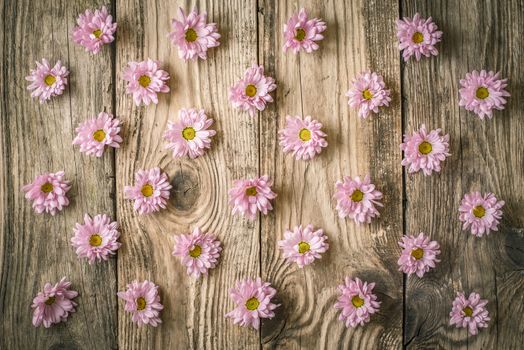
[[486, 155]]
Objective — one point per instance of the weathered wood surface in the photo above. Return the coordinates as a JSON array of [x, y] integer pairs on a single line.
[[35, 139], [486, 156]]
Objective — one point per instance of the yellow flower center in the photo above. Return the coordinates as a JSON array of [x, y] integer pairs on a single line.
[[304, 135], [188, 133], [50, 301], [252, 303], [140, 303], [97, 33], [357, 195], [468, 311], [95, 240], [357, 301], [99, 135], [417, 253], [417, 37], [251, 90], [367, 95], [195, 252], [147, 190], [425, 147], [479, 211], [482, 93], [251, 191], [191, 35], [46, 188], [49, 80], [303, 247], [144, 81], [300, 34]]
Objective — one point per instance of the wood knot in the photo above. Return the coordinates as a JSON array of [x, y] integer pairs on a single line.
[[186, 190]]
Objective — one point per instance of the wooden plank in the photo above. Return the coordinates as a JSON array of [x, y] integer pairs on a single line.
[[37, 138], [314, 84], [486, 157], [193, 316]]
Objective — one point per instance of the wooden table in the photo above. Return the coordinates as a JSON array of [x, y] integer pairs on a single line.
[[486, 156]]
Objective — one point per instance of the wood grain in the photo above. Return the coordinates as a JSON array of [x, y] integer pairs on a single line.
[[35, 139], [486, 157], [194, 309], [315, 84]]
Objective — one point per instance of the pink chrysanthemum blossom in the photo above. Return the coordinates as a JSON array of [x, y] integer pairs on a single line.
[[419, 254], [247, 197], [482, 213], [150, 192], [190, 135], [47, 82], [357, 199], [96, 239], [368, 94], [303, 33], [251, 93], [470, 312], [253, 300], [193, 35], [483, 92], [303, 137], [48, 192], [95, 134], [425, 151], [303, 245], [418, 36], [95, 28], [143, 302], [53, 304], [198, 251], [357, 302], [145, 80]]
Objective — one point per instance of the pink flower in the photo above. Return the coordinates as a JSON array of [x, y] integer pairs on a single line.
[[193, 35], [198, 251], [418, 36], [189, 136], [143, 302], [247, 197], [53, 304], [419, 254], [48, 192], [95, 134], [303, 137], [482, 213], [150, 192], [145, 80], [368, 94], [357, 199], [96, 239], [252, 92], [425, 151], [94, 30], [356, 301], [303, 246], [470, 313], [483, 92], [47, 82], [253, 300], [302, 33]]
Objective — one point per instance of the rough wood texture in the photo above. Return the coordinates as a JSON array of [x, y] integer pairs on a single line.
[[194, 309], [35, 139], [486, 156], [315, 84]]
